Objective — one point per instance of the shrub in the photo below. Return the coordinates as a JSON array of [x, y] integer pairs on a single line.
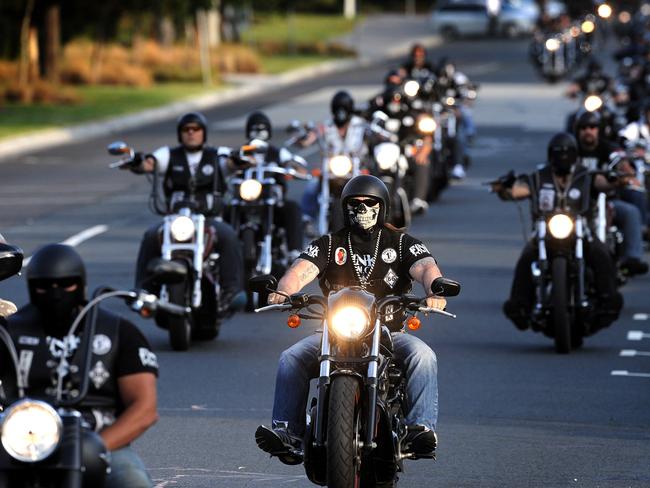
[[8, 71]]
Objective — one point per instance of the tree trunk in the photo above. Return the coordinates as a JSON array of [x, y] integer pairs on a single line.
[[53, 43], [23, 67]]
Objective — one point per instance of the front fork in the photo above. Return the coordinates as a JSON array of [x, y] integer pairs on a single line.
[[265, 261]]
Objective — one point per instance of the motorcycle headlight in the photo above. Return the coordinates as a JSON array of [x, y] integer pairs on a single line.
[[450, 101], [593, 103], [349, 322], [426, 125], [392, 125], [31, 431], [182, 228], [588, 26], [411, 88], [386, 155], [552, 44], [560, 226], [250, 190], [340, 165]]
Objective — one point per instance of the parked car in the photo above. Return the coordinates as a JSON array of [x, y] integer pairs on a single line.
[[457, 18]]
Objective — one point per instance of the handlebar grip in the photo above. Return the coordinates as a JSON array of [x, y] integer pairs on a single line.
[[174, 309]]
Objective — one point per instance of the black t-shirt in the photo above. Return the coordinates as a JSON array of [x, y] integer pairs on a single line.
[[134, 352], [598, 157]]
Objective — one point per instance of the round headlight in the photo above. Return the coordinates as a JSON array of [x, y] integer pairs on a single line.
[[560, 226], [386, 155], [588, 26], [250, 190], [604, 11], [182, 228], [426, 125], [31, 431], [349, 322], [411, 88], [552, 44], [340, 165], [450, 101], [593, 103]]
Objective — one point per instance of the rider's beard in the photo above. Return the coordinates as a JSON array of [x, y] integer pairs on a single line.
[[588, 141]]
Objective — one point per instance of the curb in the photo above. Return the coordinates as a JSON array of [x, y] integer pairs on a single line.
[[47, 138]]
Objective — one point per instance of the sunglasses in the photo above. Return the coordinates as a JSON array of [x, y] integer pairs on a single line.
[[191, 128], [355, 203]]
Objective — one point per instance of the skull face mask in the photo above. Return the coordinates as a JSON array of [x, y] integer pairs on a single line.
[[363, 214]]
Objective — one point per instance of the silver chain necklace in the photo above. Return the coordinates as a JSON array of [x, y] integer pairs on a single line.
[[357, 269]]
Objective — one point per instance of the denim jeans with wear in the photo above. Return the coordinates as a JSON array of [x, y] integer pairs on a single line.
[[299, 364], [628, 218], [127, 470]]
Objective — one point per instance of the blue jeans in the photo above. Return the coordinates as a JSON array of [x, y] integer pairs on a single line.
[[309, 201], [468, 121], [628, 218], [640, 200], [127, 470], [299, 364]]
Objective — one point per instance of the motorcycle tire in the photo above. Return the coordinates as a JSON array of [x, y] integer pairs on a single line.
[[179, 328], [250, 259], [344, 433], [559, 298], [206, 322]]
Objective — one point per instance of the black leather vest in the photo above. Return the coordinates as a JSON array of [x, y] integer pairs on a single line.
[[387, 277], [179, 177], [546, 198], [37, 363]]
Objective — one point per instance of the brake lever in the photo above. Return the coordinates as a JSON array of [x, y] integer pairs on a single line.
[[427, 310]]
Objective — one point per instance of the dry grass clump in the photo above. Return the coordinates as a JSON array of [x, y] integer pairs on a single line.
[[320, 48], [8, 71], [42, 92]]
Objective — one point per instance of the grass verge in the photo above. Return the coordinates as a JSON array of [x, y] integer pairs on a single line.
[[98, 102], [299, 28]]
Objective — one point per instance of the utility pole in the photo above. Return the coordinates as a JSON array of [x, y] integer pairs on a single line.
[[350, 9]]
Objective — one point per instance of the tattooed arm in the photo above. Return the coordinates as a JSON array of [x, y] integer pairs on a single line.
[[297, 276], [424, 272]]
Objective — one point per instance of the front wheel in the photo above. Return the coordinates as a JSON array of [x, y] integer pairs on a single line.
[[344, 434], [180, 328], [561, 318]]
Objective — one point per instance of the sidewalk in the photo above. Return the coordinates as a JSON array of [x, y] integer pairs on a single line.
[[369, 39]]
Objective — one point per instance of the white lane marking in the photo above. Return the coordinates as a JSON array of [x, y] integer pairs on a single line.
[[77, 239], [637, 335], [640, 316], [617, 372], [630, 353]]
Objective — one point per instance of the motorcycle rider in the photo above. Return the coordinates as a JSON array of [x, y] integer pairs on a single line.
[[595, 153], [258, 128], [562, 170], [183, 166], [344, 133], [121, 400], [417, 66], [385, 262], [593, 80]]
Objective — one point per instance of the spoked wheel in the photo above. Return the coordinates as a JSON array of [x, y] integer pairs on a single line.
[[179, 328], [344, 434], [561, 318]]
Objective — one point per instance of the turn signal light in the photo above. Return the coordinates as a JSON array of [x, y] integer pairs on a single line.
[[145, 312], [316, 172], [293, 321], [413, 323]]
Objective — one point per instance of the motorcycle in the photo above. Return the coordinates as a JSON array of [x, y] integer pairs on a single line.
[[355, 424], [186, 238], [256, 194], [52, 443]]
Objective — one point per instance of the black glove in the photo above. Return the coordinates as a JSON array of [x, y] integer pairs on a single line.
[[135, 164]]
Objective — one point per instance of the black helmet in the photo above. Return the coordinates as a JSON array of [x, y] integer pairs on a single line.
[[586, 119], [366, 186], [594, 66], [192, 118], [60, 264], [256, 123], [562, 153], [342, 107], [392, 79]]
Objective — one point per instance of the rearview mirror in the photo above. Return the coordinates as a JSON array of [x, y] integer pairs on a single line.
[[444, 287], [262, 283], [167, 272], [11, 260], [119, 148]]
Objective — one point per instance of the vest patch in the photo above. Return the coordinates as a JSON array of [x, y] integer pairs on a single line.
[[417, 249], [101, 344], [546, 199], [340, 256], [99, 374], [312, 251], [389, 255], [207, 170], [147, 358], [574, 193], [29, 341], [391, 278]]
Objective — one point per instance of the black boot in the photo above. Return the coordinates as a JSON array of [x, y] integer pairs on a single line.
[[420, 441], [280, 442], [518, 313]]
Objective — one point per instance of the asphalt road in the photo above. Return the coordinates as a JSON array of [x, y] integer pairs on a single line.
[[512, 412]]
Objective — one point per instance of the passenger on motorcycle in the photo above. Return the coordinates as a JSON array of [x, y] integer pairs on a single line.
[[258, 127], [596, 154], [121, 400], [187, 165], [562, 173], [344, 133], [367, 253]]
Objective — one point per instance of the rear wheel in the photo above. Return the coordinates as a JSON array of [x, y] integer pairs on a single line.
[[179, 328], [344, 434], [561, 318]]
